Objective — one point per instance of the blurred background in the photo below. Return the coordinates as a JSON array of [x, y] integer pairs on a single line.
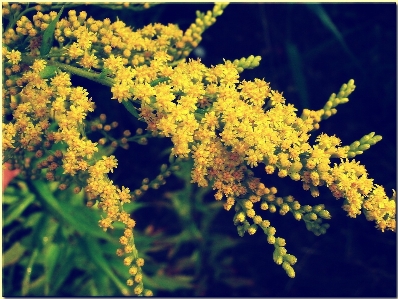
[[308, 51]]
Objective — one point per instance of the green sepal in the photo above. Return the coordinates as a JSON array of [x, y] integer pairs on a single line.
[[241, 230], [366, 138], [364, 147], [374, 139], [247, 63], [357, 147]]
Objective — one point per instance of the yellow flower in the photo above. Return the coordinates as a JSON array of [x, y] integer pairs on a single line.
[[85, 38], [144, 92], [9, 131], [121, 92], [38, 65], [109, 162], [62, 79], [75, 51], [88, 61], [381, 209], [113, 63], [124, 195], [254, 92], [14, 56], [276, 98]]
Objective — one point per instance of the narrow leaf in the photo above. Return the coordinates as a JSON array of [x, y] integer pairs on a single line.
[[159, 80], [48, 35], [130, 108], [17, 209], [82, 219], [323, 16], [64, 271], [28, 272], [169, 283], [48, 72], [96, 255], [12, 255], [52, 255], [298, 73]]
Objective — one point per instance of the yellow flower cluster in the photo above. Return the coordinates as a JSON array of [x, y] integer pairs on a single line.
[[92, 38], [44, 94], [235, 131], [39, 103], [224, 124]]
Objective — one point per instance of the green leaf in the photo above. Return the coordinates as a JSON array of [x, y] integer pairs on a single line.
[[219, 244], [17, 209], [104, 73], [48, 35], [48, 72], [133, 206], [159, 80], [67, 257], [12, 255], [28, 272], [9, 198], [323, 16], [102, 285], [130, 108], [36, 286], [79, 285], [169, 283], [95, 254], [52, 255], [238, 282], [83, 219], [40, 230], [298, 73]]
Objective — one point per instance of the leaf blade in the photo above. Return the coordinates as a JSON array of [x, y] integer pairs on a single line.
[[48, 35]]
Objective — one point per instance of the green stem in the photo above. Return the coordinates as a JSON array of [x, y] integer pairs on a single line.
[[96, 77], [16, 17], [91, 75]]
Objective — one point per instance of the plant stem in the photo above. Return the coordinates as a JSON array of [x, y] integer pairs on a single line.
[[91, 75]]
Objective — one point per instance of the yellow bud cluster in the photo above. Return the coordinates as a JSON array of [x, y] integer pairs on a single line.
[[359, 146], [193, 35], [247, 63], [334, 100]]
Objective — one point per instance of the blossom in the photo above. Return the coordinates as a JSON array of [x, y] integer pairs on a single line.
[[225, 125], [38, 65], [14, 56]]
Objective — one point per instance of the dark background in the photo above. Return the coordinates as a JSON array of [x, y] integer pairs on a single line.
[[308, 51]]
